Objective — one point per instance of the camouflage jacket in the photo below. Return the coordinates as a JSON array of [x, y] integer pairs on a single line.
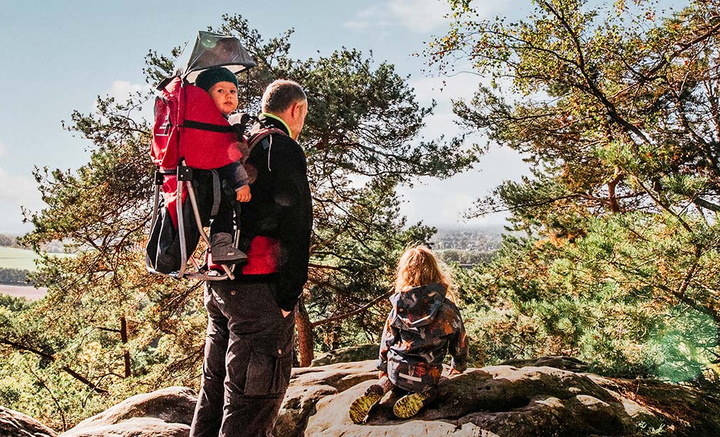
[[420, 330]]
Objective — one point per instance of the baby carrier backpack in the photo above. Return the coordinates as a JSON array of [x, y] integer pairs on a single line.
[[190, 140]]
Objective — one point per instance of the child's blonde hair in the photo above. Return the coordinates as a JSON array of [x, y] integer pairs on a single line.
[[418, 266]]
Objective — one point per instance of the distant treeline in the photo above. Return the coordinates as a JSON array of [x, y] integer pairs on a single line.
[[13, 276], [466, 257], [479, 240], [8, 240]]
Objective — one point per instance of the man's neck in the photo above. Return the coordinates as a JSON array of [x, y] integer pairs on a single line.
[[273, 116]]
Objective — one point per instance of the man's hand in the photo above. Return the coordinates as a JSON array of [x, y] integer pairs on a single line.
[[243, 194], [285, 313]]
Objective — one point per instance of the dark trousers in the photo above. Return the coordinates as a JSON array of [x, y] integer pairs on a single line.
[[247, 364]]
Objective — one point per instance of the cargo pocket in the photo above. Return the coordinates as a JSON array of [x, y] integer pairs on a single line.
[[268, 371]]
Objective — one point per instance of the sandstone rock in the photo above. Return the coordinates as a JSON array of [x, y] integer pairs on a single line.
[[163, 413], [14, 424], [502, 400], [530, 401], [558, 362], [491, 401], [308, 385]]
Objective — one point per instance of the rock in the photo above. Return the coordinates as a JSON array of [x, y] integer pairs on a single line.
[[558, 362], [491, 401], [14, 424], [347, 354], [163, 413], [506, 401], [308, 385]]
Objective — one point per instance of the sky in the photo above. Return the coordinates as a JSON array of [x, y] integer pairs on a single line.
[[60, 56]]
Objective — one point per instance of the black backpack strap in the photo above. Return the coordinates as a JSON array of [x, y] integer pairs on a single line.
[[260, 136], [216, 193], [208, 126], [263, 133]]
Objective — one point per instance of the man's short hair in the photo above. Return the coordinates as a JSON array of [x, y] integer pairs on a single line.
[[280, 94]]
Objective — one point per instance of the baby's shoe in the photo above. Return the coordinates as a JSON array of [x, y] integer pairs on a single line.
[[361, 406], [410, 404], [223, 251]]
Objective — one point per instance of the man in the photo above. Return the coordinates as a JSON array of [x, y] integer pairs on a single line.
[[248, 352]]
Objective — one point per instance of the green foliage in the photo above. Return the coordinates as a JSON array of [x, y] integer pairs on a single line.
[[631, 297], [615, 106], [684, 348]]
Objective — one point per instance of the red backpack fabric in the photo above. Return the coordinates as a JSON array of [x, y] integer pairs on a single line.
[[188, 125]]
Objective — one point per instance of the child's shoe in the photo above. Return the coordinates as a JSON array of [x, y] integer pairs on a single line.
[[223, 251], [410, 404], [361, 406]]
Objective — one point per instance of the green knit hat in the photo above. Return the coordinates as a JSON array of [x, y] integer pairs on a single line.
[[210, 77]]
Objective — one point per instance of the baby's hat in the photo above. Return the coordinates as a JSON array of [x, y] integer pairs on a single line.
[[210, 77]]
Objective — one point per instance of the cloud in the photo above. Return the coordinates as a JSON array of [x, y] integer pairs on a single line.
[[16, 191], [122, 90], [443, 89], [420, 16], [20, 189], [444, 203]]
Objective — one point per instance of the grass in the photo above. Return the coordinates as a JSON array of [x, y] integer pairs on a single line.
[[22, 259]]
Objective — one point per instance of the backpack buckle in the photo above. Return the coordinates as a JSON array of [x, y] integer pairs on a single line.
[[184, 173]]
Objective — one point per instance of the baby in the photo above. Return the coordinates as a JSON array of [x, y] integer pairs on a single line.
[[222, 87]]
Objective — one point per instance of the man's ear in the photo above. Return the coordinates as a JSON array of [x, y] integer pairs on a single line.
[[296, 110]]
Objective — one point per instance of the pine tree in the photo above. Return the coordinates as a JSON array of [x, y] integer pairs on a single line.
[[616, 108]]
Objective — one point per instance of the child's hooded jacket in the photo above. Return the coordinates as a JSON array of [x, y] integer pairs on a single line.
[[420, 330]]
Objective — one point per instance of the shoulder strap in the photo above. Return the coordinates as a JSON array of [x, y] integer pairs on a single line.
[[259, 136]]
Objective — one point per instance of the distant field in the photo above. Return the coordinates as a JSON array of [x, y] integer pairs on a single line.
[[12, 258], [29, 293]]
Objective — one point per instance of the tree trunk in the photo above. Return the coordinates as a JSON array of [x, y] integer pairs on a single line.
[[614, 205], [126, 352], [305, 334]]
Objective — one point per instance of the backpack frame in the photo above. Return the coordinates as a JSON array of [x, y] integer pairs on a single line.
[[174, 235]]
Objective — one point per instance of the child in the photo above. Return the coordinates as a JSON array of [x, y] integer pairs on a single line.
[[423, 324], [222, 87]]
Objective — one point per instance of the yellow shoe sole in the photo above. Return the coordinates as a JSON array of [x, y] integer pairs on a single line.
[[361, 406], [409, 405]]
